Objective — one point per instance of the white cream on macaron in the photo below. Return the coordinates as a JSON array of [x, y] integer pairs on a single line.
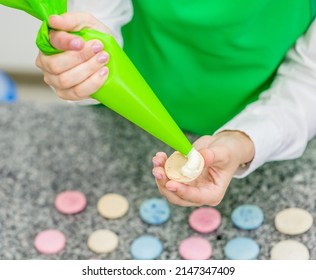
[[192, 167]]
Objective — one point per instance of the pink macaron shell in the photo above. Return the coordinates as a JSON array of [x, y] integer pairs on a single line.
[[205, 219], [70, 202], [50, 241], [195, 248]]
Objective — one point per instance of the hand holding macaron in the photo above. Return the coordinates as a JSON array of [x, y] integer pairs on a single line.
[[222, 154]]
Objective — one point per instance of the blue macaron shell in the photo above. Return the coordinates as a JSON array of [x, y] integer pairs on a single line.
[[154, 211], [146, 247], [241, 248], [247, 216]]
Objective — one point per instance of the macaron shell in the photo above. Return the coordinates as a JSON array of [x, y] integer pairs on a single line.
[[103, 241], [174, 164], [112, 206], [241, 248], [154, 211], [146, 247], [70, 202], [195, 248], [50, 242], [205, 219], [289, 250], [293, 221], [247, 216]]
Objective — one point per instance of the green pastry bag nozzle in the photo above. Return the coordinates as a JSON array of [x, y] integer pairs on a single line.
[[125, 91]]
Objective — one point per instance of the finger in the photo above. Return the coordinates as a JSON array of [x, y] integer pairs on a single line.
[[72, 21], [78, 74], [203, 142], [209, 156], [208, 195], [160, 175], [162, 154], [161, 180], [174, 199], [159, 159], [64, 41], [60, 63], [76, 22], [221, 156], [85, 89]]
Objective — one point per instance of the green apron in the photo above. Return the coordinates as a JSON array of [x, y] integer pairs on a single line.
[[207, 59]]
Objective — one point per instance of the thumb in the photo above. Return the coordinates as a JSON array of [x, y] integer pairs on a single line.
[[59, 36], [72, 21], [77, 21], [209, 157], [216, 156]]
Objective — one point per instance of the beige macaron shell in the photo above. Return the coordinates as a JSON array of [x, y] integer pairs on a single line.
[[174, 164], [112, 206], [103, 241], [289, 250], [293, 221]]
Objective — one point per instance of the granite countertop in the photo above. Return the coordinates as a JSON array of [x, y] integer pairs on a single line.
[[46, 149]]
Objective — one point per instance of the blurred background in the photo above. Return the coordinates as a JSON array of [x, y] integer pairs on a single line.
[[20, 79]]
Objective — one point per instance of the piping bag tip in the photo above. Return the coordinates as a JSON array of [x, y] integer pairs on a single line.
[[184, 169]]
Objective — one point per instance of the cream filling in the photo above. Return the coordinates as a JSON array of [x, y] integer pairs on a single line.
[[192, 167]]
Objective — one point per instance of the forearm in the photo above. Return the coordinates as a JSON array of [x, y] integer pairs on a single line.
[[282, 121]]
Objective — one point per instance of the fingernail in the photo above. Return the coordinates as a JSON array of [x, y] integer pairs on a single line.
[[102, 58], [75, 43], [158, 176], [103, 71], [155, 163], [55, 16], [97, 47], [172, 189]]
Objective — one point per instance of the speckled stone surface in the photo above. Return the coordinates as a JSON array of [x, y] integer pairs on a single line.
[[45, 150]]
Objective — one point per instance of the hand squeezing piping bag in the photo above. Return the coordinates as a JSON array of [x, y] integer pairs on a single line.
[[125, 91]]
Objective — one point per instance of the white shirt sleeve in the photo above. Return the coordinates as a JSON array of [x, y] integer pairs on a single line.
[[283, 120], [112, 13]]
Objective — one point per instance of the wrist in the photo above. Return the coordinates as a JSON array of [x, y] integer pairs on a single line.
[[243, 146]]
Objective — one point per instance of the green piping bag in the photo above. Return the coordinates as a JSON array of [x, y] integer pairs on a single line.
[[125, 91]]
